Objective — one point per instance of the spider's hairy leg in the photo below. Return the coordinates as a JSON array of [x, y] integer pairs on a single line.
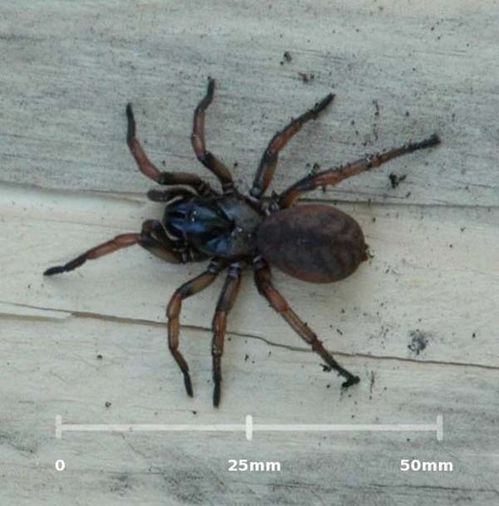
[[279, 303], [224, 305], [174, 308], [199, 143], [268, 163], [159, 244], [335, 175], [152, 172]]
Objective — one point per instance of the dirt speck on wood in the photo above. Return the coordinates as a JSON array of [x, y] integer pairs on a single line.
[[371, 383], [286, 57], [306, 77], [395, 179], [419, 341]]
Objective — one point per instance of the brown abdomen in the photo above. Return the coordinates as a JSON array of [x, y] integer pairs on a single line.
[[312, 242]]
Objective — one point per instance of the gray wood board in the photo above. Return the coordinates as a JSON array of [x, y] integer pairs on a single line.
[[399, 73], [62, 374], [418, 322], [434, 273]]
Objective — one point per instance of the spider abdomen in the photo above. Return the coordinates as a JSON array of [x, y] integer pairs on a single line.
[[313, 242]]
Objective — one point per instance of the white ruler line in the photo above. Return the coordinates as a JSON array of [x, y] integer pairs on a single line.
[[249, 427]]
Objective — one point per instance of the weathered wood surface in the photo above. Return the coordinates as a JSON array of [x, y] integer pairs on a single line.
[[72, 67], [68, 182]]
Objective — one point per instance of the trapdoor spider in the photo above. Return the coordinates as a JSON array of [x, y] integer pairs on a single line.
[[312, 242]]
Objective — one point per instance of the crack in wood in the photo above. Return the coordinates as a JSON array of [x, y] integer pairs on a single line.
[[196, 328]]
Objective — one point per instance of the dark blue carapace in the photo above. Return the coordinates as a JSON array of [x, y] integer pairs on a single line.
[[217, 227]]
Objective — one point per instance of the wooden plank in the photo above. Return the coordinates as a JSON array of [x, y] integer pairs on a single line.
[[54, 368], [399, 73], [433, 278], [418, 322]]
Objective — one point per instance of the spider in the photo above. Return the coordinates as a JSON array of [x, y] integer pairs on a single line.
[[312, 242]]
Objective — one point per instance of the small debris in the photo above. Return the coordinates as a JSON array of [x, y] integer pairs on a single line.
[[376, 117], [286, 57], [246, 357], [306, 78], [99, 357], [395, 179], [107, 404], [371, 384], [419, 341]]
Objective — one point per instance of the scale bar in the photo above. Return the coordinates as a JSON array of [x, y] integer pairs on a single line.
[[249, 427]]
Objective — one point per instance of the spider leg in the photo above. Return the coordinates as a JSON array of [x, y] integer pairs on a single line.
[[224, 305], [174, 307], [334, 176], [279, 303], [152, 172], [199, 143], [145, 239], [166, 195], [270, 156]]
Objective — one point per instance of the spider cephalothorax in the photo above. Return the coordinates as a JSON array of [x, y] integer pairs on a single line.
[[312, 242]]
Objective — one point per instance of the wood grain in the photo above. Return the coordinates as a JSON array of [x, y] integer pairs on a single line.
[[398, 74], [418, 322]]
